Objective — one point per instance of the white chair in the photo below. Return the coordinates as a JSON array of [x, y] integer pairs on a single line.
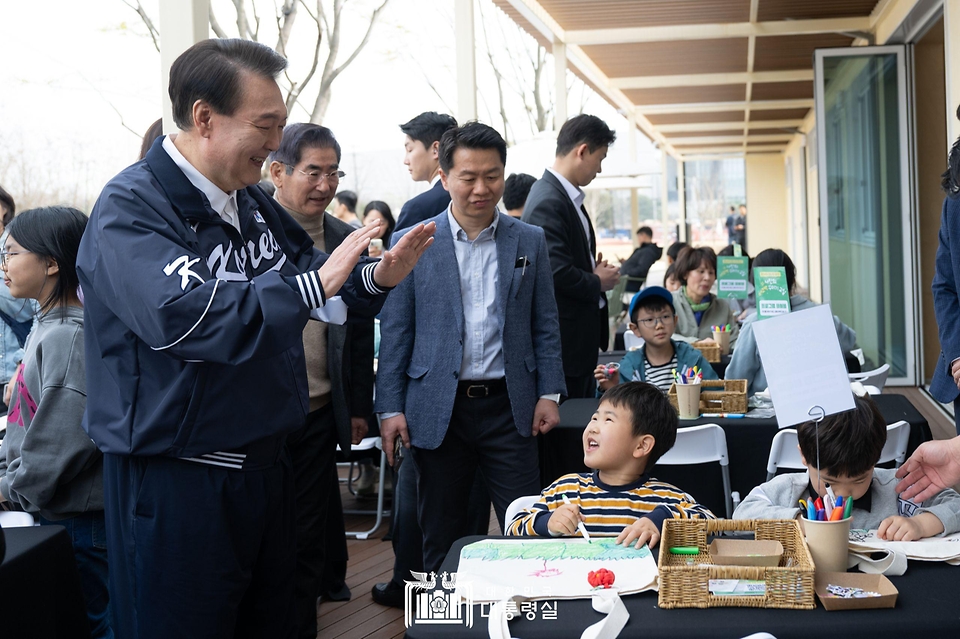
[[15, 519], [877, 377], [785, 451], [699, 445], [518, 504], [368, 443], [631, 341]]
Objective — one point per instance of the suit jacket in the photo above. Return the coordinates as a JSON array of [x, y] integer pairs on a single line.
[[946, 304], [349, 354], [423, 207], [584, 328], [421, 333]]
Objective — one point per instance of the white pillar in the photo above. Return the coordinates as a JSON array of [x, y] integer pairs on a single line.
[[951, 55], [560, 84], [664, 189], [183, 23], [632, 157], [682, 200], [466, 61]]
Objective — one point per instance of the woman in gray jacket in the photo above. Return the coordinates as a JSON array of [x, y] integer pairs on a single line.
[[697, 309]]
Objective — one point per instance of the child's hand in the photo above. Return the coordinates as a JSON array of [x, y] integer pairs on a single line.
[[643, 530], [910, 528], [606, 378], [564, 520]]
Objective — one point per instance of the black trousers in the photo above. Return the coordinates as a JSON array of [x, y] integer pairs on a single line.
[[405, 531], [321, 538], [199, 551], [481, 435]]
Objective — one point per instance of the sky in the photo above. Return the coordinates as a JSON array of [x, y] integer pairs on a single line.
[[76, 97]]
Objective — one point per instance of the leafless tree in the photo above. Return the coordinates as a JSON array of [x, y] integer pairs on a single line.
[[328, 26]]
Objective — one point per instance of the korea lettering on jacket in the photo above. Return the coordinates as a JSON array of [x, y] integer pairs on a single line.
[[196, 321]]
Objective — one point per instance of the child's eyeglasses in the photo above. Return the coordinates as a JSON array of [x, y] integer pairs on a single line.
[[5, 254], [651, 322]]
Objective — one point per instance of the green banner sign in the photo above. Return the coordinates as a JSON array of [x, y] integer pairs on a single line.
[[773, 298], [732, 276]]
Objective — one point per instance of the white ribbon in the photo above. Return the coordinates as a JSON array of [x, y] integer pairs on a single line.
[[893, 563], [603, 601]]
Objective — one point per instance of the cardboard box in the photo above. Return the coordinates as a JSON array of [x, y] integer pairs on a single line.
[[870, 583], [746, 552]]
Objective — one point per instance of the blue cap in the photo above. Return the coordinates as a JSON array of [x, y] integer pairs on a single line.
[[651, 291]]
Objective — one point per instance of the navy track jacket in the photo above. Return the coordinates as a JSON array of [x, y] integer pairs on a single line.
[[193, 331]]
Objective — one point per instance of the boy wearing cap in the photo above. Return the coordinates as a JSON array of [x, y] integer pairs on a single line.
[[653, 318]]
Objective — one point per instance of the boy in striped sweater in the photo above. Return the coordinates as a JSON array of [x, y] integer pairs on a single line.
[[633, 426]]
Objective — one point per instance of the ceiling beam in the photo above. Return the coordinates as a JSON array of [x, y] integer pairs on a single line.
[[710, 79], [733, 139], [704, 107], [713, 31], [667, 129]]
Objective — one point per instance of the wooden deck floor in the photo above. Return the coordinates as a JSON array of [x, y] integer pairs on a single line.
[[371, 560]]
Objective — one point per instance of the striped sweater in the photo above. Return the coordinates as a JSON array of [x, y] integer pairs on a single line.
[[608, 509]]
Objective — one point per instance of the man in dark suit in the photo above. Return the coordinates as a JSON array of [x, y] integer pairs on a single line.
[[421, 140], [306, 172], [555, 204], [469, 354]]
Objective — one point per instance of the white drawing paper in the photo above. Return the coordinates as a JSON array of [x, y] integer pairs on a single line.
[[929, 549], [495, 569], [804, 365]]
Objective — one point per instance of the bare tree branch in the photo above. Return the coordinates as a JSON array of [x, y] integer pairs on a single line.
[[497, 76], [255, 36], [330, 71], [242, 27], [215, 25], [295, 89], [286, 16], [154, 32]]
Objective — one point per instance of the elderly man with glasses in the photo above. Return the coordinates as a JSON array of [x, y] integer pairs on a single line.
[[197, 288], [306, 171]]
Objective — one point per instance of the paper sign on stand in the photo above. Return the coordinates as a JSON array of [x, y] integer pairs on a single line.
[[773, 298], [732, 276], [804, 365]]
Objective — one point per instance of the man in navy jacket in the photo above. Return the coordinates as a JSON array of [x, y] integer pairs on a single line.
[[197, 287], [470, 365], [421, 141]]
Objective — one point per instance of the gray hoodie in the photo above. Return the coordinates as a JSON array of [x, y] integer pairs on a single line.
[[48, 463], [778, 499]]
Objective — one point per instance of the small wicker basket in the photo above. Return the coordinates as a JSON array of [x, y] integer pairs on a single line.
[[710, 350], [717, 396], [687, 585]]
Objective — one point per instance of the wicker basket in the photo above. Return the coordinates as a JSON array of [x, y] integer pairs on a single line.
[[710, 350], [687, 586], [717, 396]]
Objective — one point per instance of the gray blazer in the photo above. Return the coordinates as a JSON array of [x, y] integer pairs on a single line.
[[421, 328]]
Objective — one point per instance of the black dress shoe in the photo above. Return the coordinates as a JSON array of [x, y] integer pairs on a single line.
[[388, 594], [338, 593]]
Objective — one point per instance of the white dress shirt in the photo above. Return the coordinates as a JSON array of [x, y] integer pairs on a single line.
[[479, 279], [225, 204]]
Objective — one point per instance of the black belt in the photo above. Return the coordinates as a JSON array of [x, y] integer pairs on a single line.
[[482, 388]]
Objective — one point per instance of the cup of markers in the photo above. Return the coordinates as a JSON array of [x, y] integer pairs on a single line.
[[826, 526], [721, 335], [688, 391]]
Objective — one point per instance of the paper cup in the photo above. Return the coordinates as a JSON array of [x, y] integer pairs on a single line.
[[688, 400], [828, 542], [722, 338]]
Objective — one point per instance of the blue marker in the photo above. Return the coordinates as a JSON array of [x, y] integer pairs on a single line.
[[811, 511]]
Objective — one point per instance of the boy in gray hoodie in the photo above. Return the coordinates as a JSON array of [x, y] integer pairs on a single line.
[[850, 446]]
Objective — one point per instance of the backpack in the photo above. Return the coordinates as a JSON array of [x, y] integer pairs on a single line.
[[20, 329]]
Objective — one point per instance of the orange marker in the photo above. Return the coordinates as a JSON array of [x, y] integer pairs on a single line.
[[837, 514]]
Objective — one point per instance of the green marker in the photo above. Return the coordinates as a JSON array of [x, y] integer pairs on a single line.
[[684, 550], [848, 508]]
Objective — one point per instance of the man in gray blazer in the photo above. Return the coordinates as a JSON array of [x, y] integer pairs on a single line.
[[470, 367]]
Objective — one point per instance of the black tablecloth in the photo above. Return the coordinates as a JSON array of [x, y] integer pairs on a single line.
[[926, 607], [40, 590], [853, 364], [748, 446]]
